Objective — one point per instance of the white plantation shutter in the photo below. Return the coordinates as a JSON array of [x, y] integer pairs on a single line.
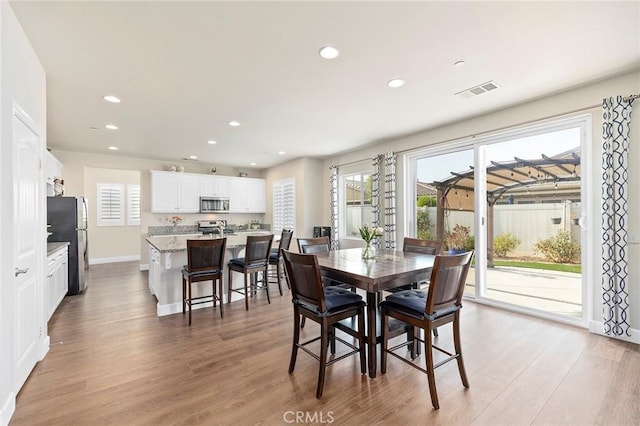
[[133, 204], [110, 204], [284, 205]]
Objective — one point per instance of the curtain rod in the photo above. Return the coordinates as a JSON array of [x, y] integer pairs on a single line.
[[631, 97]]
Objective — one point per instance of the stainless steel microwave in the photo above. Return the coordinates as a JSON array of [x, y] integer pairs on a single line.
[[214, 205]]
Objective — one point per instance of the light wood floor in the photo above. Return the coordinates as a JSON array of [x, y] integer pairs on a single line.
[[113, 362]]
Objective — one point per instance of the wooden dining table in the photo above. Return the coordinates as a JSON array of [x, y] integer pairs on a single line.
[[389, 269]]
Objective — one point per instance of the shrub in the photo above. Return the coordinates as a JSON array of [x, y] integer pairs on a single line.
[[559, 248], [424, 225], [470, 243], [504, 244], [426, 200], [457, 239]]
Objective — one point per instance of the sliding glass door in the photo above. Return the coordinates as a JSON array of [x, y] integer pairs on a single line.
[[517, 199]]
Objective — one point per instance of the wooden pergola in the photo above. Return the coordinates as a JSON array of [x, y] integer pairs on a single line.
[[551, 173]]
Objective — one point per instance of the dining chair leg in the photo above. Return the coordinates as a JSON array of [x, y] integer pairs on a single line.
[[230, 280], [303, 322], [332, 340], [361, 343], [278, 277], [246, 292], [296, 339], [323, 357], [385, 342], [213, 288], [189, 301], [220, 293], [428, 351], [458, 348], [411, 336], [265, 282], [184, 294]]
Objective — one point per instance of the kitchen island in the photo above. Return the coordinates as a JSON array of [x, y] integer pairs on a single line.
[[167, 257]]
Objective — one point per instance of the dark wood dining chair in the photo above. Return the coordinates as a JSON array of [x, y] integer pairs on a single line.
[[313, 245], [325, 306], [275, 256], [255, 261], [205, 262], [438, 306]]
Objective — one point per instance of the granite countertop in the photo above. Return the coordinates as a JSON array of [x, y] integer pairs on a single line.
[[177, 243], [52, 247]]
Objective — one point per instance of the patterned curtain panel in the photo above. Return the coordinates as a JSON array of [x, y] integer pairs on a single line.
[[616, 114], [333, 213], [376, 207], [390, 200]]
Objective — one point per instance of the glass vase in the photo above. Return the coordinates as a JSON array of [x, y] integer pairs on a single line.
[[368, 252]]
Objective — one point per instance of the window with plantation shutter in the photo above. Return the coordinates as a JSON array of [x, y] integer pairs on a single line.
[[133, 204], [284, 205], [110, 204]]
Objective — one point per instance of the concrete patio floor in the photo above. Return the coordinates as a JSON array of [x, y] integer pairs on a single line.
[[549, 291]]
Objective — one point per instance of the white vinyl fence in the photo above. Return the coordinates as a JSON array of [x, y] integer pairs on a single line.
[[529, 223]]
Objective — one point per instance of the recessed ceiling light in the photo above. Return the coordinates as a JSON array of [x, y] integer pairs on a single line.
[[111, 126], [193, 157], [113, 148], [212, 142], [458, 64], [329, 52], [281, 153], [253, 164], [112, 99], [396, 82], [234, 123]]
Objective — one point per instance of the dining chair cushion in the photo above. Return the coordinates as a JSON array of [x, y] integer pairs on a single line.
[[335, 298], [274, 252], [239, 261], [195, 274], [273, 257], [413, 302]]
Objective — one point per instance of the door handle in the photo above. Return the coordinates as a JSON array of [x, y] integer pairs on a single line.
[[21, 271]]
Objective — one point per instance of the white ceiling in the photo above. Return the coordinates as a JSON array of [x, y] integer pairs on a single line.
[[185, 69]]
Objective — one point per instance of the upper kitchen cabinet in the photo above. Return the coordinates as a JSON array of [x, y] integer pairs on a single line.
[[53, 169], [247, 195], [214, 186], [173, 192]]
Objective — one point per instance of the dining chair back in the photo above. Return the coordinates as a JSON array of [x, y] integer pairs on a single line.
[[275, 256], [325, 306], [440, 305], [314, 245], [205, 262], [254, 266]]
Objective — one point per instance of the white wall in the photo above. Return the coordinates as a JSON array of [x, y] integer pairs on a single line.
[[22, 80], [556, 105]]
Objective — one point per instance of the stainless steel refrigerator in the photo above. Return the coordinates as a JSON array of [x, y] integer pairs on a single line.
[[68, 219]]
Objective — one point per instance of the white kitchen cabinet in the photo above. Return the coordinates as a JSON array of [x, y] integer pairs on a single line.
[[247, 195], [214, 186], [154, 269], [173, 192], [57, 282], [53, 169]]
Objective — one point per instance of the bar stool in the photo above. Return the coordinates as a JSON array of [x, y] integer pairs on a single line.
[[204, 263], [275, 256], [256, 259]]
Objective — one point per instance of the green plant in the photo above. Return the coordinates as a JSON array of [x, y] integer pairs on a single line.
[[424, 225], [504, 244], [470, 243], [426, 200], [457, 239], [559, 248]]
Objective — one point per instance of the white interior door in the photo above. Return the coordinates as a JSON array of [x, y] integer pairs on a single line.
[[27, 238]]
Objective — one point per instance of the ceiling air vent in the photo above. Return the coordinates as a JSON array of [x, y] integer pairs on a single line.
[[478, 90]]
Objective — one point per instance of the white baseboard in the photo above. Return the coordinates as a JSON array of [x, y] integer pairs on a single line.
[[598, 328], [101, 260], [144, 266], [44, 347], [8, 408], [175, 308]]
